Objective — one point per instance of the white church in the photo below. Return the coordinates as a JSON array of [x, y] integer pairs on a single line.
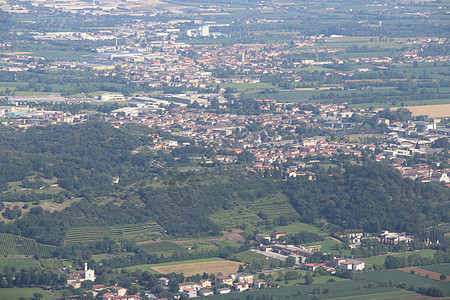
[[75, 279]]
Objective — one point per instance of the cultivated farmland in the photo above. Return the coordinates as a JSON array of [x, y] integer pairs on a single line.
[[442, 268], [191, 267], [17, 263], [224, 267], [137, 232], [433, 111], [16, 245]]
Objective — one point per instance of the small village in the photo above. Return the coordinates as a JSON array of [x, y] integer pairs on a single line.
[[273, 246]]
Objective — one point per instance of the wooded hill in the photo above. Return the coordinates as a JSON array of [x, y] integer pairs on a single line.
[[84, 159]]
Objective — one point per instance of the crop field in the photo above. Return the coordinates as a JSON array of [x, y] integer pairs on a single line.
[[17, 263], [205, 246], [247, 214], [191, 267], [379, 260], [224, 267], [16, 245], [165, 248], [433, 111], [239, 215], [342, 289], [273, 206], [137, 232], [399, 277], [442, 268], [26, 293], [422, 272]]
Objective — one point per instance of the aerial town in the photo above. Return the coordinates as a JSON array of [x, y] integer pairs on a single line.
[[259, 149]]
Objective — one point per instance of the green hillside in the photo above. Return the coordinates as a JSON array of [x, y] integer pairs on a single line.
[[16, 245], [136, 232]]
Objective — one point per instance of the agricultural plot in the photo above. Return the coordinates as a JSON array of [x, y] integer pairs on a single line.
[[442, 268], [215, 267], [298, 227], [399, 277], [422, 272], [16, 245], [55, 264], [26, 293], [191, 267], [342, 289], [251, 213], [273, 207], [164, 248], [239, 215], [17, 263], [433, 111], [379, 260], [137, 232]]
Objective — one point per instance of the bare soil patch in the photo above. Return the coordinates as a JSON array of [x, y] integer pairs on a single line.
[[234, 235], [423, 272]]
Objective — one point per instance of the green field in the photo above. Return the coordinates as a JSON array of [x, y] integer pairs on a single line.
[[341, 289], [300, 281], [137, 232], [442, 268], [165, 248], [16, 245], [299, 227], [17, 263], [16, 293], [399, 277], [250, 213], [379, 260]]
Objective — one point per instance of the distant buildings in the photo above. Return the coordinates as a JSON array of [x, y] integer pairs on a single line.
[[76, 278]]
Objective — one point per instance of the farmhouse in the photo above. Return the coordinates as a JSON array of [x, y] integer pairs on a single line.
[[352, 264]]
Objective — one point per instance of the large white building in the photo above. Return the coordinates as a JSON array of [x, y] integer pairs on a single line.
[[203, 31]]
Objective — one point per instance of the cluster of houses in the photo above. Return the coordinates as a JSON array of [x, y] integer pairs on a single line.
[[337, 262], [223, 284], [354, 239], [115, 292]]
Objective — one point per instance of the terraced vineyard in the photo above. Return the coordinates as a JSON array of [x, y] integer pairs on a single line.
[[136, 232], [249, 213], [240, 215], [273, 206], [11, 244]]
